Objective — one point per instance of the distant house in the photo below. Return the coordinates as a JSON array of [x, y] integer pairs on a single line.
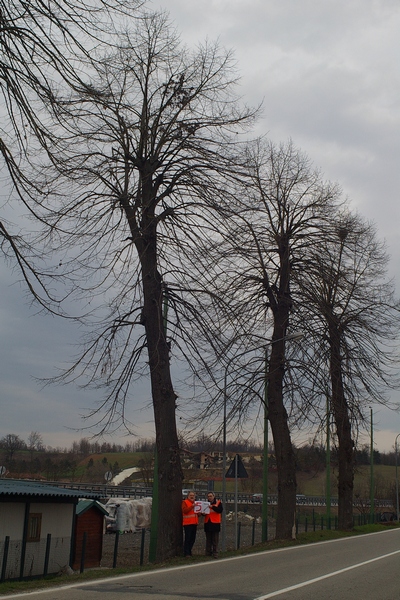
[[37, 527], [196, 460]]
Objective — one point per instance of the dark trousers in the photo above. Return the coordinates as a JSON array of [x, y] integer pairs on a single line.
[[190, 538], [212, 539]]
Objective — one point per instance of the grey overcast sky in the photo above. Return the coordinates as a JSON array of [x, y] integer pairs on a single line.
[[327, 72]]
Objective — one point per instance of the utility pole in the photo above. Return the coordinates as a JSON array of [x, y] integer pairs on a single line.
[[264, 508], [372, 501], [328, 459]]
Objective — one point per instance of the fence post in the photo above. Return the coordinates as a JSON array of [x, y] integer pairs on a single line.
[[238, 534], [5, 557], [47, 555], [24, 538], [142, 546], [83, 552], [116, 549], [253, 532]]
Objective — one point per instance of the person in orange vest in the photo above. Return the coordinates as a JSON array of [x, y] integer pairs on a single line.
[[190, 522], [212, 525]]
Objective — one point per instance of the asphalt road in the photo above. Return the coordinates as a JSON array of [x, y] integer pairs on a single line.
[[357, 568]]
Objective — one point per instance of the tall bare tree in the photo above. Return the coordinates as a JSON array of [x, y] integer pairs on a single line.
[[351, 316], [279, 215], [139, 157]]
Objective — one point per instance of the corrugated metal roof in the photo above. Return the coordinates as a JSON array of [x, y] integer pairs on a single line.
[[22, 487]]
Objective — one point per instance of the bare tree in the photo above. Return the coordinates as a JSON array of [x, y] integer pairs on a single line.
[[39, 43], [351, 317], [140, 156], [303, 262], [278, 217], [11, 443], [35, 441]]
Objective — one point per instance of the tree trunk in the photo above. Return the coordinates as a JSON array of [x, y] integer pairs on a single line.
[[170, 476], [285, 458], [281, 305], [346, 446], [169, 537]]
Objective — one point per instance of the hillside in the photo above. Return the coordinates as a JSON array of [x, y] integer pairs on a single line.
[[63, 466]]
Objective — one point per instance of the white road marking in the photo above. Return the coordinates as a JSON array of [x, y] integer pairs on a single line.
[[200, 565], [316, 579]]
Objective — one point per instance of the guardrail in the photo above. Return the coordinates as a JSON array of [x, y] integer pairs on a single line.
[[116, 491], [105, 490], [308, 500]]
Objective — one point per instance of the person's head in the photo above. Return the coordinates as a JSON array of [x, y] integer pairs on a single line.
[[211, 496], [191, 495]]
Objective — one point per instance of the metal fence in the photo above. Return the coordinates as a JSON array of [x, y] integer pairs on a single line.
[[115, 491], [24, 562], [130, 550]]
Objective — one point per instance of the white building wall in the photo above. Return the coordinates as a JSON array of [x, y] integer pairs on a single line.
[[57, 520], [11, 520]]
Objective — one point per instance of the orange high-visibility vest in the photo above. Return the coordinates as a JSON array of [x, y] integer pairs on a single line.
[[213, 516], [188, 514]]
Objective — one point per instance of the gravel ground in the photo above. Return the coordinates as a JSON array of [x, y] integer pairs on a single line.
[[129, 544]]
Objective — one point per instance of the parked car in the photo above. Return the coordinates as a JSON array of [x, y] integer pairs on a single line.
[[257, 498], [387, 516]]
